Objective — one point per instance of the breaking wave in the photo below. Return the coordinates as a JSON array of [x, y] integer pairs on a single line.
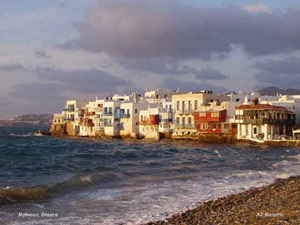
[[40, 192]]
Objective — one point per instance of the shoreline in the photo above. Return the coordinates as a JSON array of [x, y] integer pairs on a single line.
[[274, 143], [276, 203]]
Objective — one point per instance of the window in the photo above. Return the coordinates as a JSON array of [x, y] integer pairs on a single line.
[[183, 121], [226, 126], [215, 115], [196, 104], [177, 120], [203, 114], [183, 105], [255, 130], [214, 126], [189, 105], [190, 120], [178, 105], [135, 110]]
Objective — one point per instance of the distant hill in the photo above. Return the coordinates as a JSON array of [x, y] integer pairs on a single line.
[[28, 120], [272, 91]]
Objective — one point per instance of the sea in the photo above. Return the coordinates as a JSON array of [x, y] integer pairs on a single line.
[[48, 180]]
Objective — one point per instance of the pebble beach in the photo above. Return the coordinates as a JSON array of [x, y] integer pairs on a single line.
[[277, 203]]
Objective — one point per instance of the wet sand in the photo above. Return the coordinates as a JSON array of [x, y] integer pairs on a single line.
[[277, 203]]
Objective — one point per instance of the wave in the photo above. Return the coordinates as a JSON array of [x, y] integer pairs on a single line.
[[40, 192], [21, 135]]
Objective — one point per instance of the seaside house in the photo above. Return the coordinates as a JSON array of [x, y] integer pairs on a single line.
[[149, 123], [58, 124], [111, 119], [166, 119], [263, 121], [129, 118], [72, 114], [98, 119], [216, 118], [185, 105], [159, 96], [91, 119], [291, 102]]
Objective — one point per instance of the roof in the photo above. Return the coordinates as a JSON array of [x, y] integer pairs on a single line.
[[261, 107]]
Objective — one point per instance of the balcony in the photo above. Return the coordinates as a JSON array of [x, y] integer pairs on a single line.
[[125, 115], [165, 120], [108, 124], [185, 126], [68, 119], [120, 126], [108, 113], [248, 120]]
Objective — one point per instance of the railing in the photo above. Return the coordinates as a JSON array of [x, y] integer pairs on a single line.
[[125, 115], [188, 126], [108, 113], [68, 109], [267, 121], [120, 126], [165, 120], [108, 124], [69, 119]]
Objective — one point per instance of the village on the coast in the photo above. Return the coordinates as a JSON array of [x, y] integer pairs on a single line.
[[163, 113]]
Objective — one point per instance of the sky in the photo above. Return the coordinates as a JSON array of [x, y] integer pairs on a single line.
[[55, 50]]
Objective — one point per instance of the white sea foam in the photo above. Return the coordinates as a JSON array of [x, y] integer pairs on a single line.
[[21, 135]]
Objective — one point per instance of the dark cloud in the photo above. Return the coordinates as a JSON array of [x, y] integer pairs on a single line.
[[55, 86], [210, 74], [38, 91], [174, 84], [282, 73], [43, 54], [168, 28], [12, 67], [39, 97], [167, 66], [88, 81]]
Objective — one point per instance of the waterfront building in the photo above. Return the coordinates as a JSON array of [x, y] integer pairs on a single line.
[[185, 105], [91, 119], [263, 121], [129, 118], [58, 124], [111, 119], [149, 123], [291, 102], [72, 114], [166, 119]]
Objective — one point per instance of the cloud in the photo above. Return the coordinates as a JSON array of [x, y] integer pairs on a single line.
[[174, 84], [211, 74], [167, 66], [54, 86], [259, 8], [12, 67], [168, 28], [89, 81], [42, 53], [38, 91], [282, 73]]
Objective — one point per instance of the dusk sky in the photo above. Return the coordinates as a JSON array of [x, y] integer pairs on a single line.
[[55, 50]]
